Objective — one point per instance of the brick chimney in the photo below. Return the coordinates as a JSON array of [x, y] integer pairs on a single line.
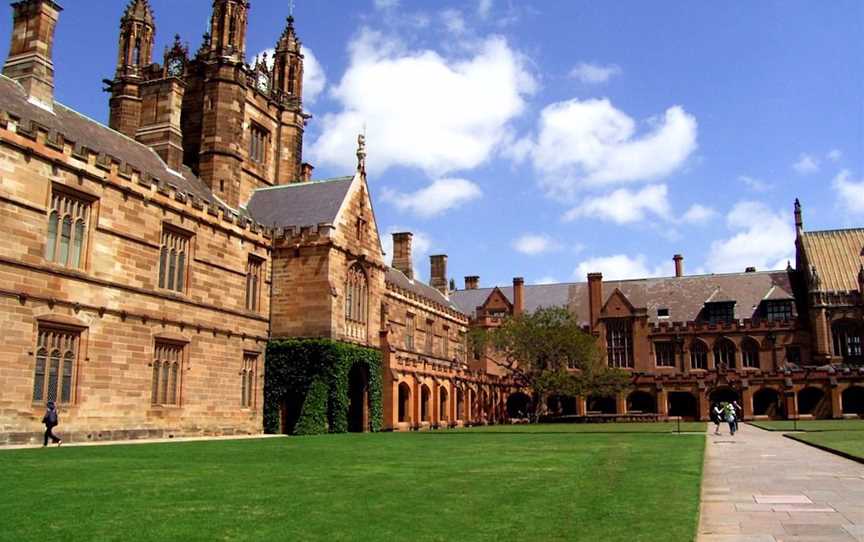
[[438, 275], [472, 282], [402, 253], [679, 265], [30, 55], [306, 172], [518, 295], [595, 298]]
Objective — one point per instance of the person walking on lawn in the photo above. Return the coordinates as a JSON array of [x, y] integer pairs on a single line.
[[51, 420]]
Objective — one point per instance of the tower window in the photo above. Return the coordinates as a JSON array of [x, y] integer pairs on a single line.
[[258, 137], [173, 258]]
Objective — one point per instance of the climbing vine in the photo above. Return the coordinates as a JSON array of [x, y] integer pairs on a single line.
[[312, 378]]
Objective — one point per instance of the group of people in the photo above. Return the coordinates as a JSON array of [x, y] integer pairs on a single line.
[[726, 412]]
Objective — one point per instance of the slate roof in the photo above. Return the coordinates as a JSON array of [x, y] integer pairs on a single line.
[[86, 132], [394, 276], [837, 255], [683, 296], [301, 204]]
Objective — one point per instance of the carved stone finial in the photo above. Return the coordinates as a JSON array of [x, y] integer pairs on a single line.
[[361, 153], [815, 281]]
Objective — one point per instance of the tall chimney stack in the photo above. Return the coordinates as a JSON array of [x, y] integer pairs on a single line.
[[472, 282], [679, 265], [306, 170], [402, 253], [30, 55], [518, 295], [595, 298], [438, 275]]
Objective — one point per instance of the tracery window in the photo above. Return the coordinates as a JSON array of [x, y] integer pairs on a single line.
[[167, 367], [664, 354], [247, 380], [724, 354], [750, 354], [430, 336], [409, 332], [56, 357], [698, 355], [68, 223], [847, 337], [173, 257], [258, 144], [356, 303], [619, 342], [254, 275]]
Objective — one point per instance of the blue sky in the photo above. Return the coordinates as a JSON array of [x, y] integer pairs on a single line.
[[549, 139]]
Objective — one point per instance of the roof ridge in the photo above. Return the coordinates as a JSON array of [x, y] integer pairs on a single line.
[[835, 230], [322, 181]]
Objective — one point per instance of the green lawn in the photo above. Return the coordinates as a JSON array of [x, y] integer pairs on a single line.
[[636, 427], [811, 425], [850, 442], [489, 484]]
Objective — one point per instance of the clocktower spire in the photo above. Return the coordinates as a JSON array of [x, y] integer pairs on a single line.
[[135, 52]]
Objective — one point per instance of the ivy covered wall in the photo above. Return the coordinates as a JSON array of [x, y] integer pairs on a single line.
[[311, 377]]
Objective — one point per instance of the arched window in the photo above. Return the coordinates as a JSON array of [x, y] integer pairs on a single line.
[[172, 260], [53, 374], [847, 337], [167, 368], [698, 355], [356, 303], [724, 354], [750, 353]]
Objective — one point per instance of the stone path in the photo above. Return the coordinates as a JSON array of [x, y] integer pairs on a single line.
[[139, 441], [762, 487]]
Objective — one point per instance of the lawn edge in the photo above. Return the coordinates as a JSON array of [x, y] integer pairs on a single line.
[[845, 455]]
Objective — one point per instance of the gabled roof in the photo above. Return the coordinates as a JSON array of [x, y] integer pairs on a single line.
[[396, 277], [300, 204], [837, 256], [86, 132], [684, 297]]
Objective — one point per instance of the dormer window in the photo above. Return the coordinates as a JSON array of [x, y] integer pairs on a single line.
[[777, 310], [663, 313], [619, 342], [719, 312]]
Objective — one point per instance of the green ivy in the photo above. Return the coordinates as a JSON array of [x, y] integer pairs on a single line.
[[313, 374]]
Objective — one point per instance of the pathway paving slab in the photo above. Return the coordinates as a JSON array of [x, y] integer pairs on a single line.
[[761, 487]]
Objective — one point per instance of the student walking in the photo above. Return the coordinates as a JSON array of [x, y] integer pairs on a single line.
[[739, 413], [716, 417], [51, 420], [729, 416]]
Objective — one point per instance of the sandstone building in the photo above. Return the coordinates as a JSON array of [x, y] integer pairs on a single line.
[[146, 264]]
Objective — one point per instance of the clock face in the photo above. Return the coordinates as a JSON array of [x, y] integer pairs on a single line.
[[263, 82], [175, 67]]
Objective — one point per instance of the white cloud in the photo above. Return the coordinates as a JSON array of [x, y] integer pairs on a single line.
[[423, 110], [547, 280], [314, 78], [806, 164], [453, 21], [533, 244], [386, 4], [618, 267], [624, 206], [421, 247], [594, 74], [763, 238], [850, 192], [757, 185], [834, 155], [590, 143], [484, 8], [698, 214], [440, 196]]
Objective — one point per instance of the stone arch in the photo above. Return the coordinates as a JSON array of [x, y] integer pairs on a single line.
[[358, 398], [814, 401], [641, 401], [603, 405], [853, 400], [425, 403], [723, 394], [768, 402], [684, 404], [443, 405], [518, 405], [404, 403]]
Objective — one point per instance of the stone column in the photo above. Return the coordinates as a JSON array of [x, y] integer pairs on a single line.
[[703, 405], [836, 402], [791, 404], [621, 403], [747, 403], [662, 403], [581, 405]]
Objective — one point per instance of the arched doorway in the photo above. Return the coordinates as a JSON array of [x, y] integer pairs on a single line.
[[768, 402], [425, 399], [561, 405], [684, 404], [518, 405], [602, 405], [641, 402], [443, 415], [853, 400], [483, 406], [358, 399], [811, 401], [460, 404], [723, 394], [404, 403]]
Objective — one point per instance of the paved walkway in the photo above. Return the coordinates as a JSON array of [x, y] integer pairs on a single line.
[[762, 487], [138, 441]]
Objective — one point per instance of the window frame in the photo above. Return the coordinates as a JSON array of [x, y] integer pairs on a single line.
[[772, 309], [78, 208], [356, 302], [176, 277], [664, 363], [255, 270], [68, 332], [619, 342], [259, 141], [167, 374], [410, 330], [249, 381], [698, 347]]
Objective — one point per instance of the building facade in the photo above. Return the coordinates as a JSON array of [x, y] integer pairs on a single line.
[[146, 264]]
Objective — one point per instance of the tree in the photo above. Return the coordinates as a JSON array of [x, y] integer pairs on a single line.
[[547, 352]]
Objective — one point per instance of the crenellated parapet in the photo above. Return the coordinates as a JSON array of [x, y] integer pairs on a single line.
[[297, 236], [745, 325]]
